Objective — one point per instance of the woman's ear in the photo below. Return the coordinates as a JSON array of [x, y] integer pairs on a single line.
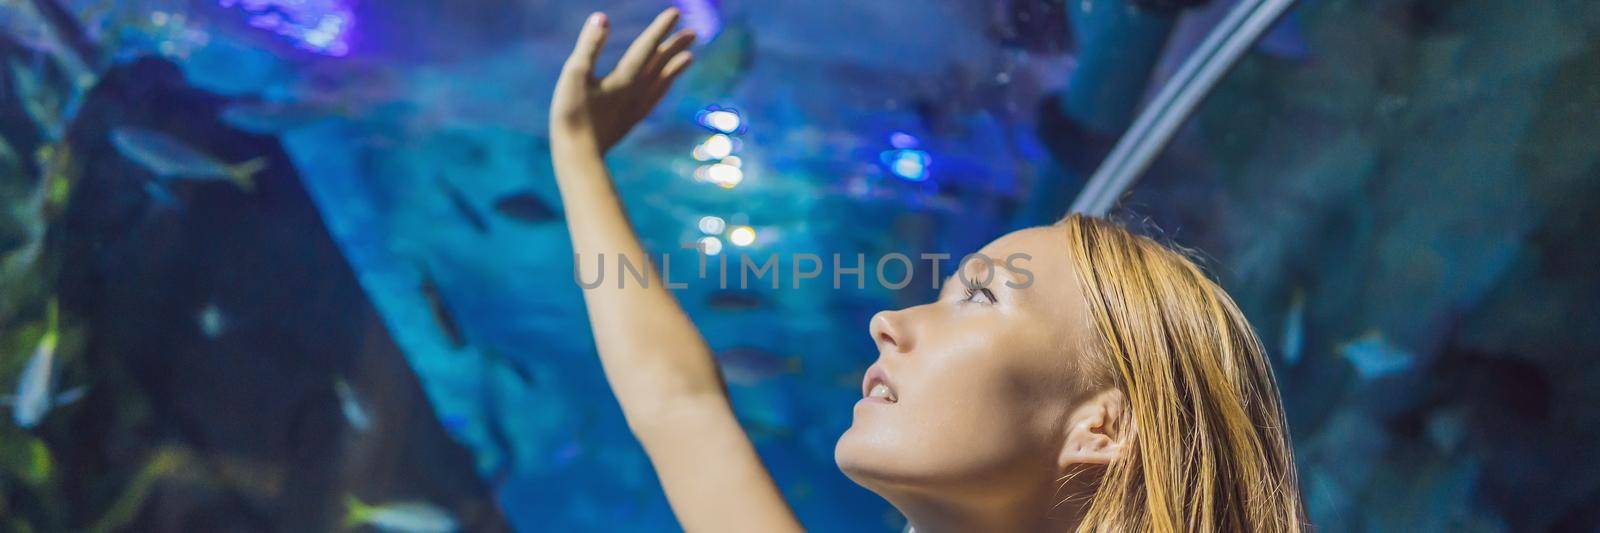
[[1095, 432]]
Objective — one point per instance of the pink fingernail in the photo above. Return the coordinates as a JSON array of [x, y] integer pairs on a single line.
[[597, 19]]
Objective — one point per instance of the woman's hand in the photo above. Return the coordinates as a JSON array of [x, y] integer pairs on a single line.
[[598, 111], [659, 366]]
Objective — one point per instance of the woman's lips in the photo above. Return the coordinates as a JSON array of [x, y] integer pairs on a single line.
[[875, 386]]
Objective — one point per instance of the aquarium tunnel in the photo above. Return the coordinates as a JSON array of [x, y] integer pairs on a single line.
[[302, 265]]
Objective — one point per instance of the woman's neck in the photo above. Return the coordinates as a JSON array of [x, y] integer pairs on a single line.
[[1036, 511]]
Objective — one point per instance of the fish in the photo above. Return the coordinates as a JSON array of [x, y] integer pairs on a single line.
[[41, 103], [502, 442], [464, 207], [441, 312], [214, 469], [20, 259], [524, 207], [161, 465], [170, 158], [8, 156], [350, 406], [275, 117], [735, 300], [492, 425], [10, 240], [27, 458], [522, 372], [22, 24], [211, 321], [749, 366], [761, 431], [25, 248], [58, 169], [1294, 327], [399, 517], [35, 394], [1374, 356]]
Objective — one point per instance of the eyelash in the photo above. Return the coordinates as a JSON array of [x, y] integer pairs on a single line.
[[981, 290]]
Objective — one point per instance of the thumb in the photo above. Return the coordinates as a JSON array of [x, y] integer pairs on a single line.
[[590, 41]]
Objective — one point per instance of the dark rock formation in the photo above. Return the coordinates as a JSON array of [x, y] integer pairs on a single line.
[[247, 416]]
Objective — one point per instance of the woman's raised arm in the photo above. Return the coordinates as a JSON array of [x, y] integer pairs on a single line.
[[658, 365]]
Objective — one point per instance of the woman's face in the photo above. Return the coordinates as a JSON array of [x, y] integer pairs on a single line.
[[979, 383]]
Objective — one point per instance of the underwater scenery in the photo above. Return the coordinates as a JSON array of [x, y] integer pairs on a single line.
[[301, 265]]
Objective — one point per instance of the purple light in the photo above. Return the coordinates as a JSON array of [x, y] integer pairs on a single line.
[[320, 26], [702, 16], [265, 22], [902, 140]]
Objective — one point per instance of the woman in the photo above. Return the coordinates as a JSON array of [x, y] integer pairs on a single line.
[[1120, 390]]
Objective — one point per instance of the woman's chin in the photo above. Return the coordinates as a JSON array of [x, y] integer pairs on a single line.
[[865, 459]]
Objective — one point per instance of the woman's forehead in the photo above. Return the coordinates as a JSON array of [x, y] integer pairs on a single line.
[[1041, 251], [1041, 244]]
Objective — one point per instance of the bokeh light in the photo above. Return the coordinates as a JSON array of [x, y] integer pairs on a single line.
[[320, 26], [742, 236], [718, 146], [721, 120], [712, 225], [725, 175], [908, 164], [710, 245]]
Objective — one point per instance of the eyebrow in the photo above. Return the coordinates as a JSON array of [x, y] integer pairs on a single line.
[[1001, 271]]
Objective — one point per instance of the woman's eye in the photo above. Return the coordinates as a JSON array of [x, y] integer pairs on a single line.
[[988, 297]]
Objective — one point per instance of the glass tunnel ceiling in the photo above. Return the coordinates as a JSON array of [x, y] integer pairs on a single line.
[[872, 127], [1403, 217]]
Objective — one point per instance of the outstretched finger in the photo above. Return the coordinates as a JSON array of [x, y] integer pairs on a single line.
[[639, 53], [667, 50], [590, 41], [675, 66]]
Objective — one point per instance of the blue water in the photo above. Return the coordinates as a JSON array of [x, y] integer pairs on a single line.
[[1419, 174]]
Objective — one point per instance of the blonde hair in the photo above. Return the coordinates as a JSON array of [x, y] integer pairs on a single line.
[[1209, 449]]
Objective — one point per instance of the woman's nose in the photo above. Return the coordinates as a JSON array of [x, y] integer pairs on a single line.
[[889, 332]]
